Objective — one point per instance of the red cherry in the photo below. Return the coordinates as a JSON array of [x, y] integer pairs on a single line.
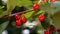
[[51, 28], [36, 7], [54, 0], [58, 30], [18, 22], [17, 16], [46, 32], [42, 18], [23, 20]]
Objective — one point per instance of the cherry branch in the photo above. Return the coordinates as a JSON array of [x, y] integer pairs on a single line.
[[18, 13]]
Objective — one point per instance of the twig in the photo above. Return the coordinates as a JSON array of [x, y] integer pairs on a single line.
[[18, 13]]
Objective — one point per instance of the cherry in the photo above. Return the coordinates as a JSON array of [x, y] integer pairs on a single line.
[[54, 0], [46, 32], [51, 28], [17, 16], [58, 30], [23, 20], [18, 22], [42, 18], [36, 7]]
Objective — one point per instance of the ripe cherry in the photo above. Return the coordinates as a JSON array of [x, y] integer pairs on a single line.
[[54, 0], [23, 20], [17, 16], [42, 18], [36, 7], [58, 30], [46, 32], [18, 22], [51, 28]]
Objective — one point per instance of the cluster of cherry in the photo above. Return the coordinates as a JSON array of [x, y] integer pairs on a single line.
[[20, 20], [35, 8]]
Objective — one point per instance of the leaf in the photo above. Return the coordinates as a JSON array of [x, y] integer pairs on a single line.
[[11, 5], [32, 14], [1, 11], [3, 14], [3, 26], [27, 15], [26, 3], [39, 12]]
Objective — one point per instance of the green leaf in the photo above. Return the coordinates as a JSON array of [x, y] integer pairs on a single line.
[[11, 5], [28, 15], [39, 12], [1, 11], [26, 3], [3, 14], [3, 26], [32, 14]]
